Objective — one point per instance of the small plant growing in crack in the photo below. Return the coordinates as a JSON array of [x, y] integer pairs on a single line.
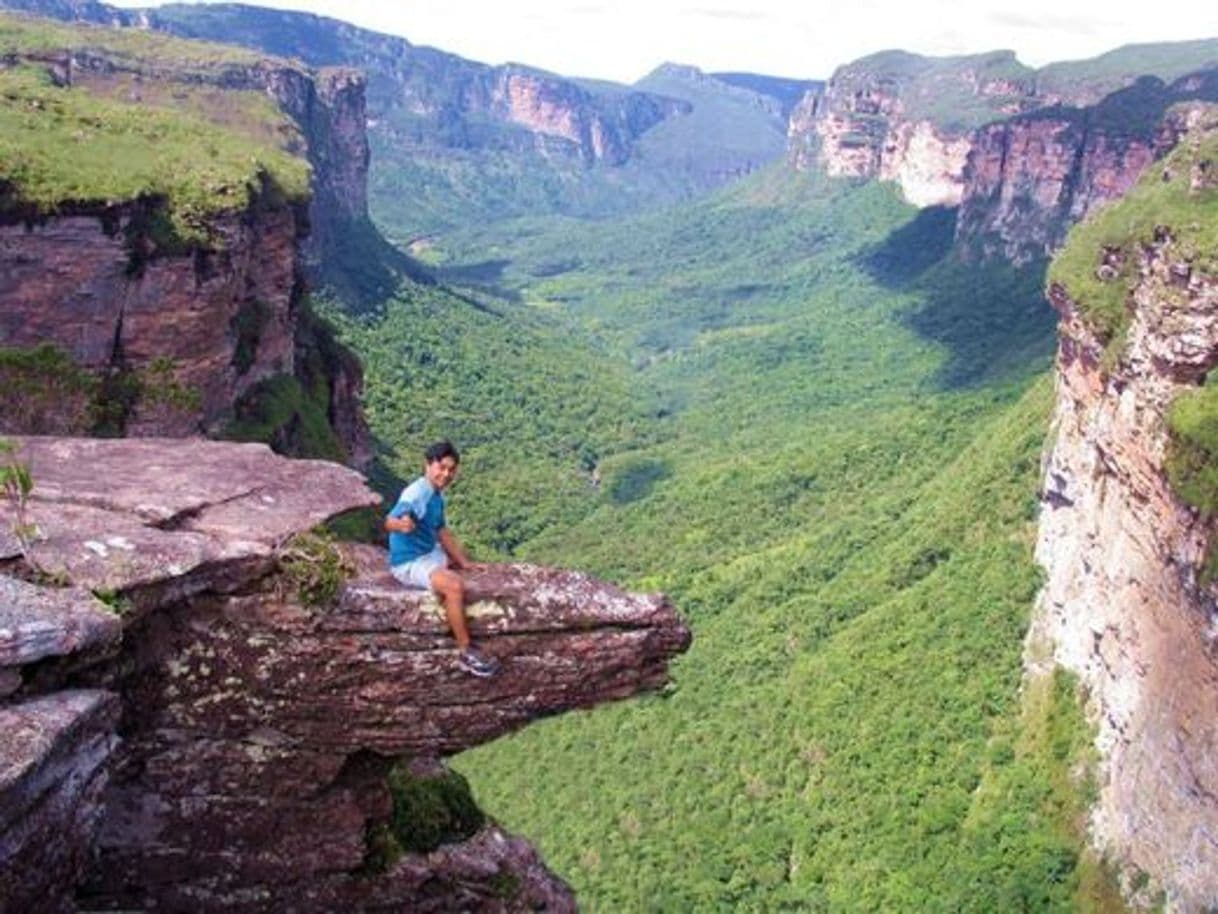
[[312, 568], [17, 483]]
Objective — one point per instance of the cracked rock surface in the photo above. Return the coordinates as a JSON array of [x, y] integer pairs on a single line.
[[257, 731]]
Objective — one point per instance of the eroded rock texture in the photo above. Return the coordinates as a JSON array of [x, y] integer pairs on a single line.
[[70, 282], [53, 771], [1023, 161], [258, 730], [881, 117], [1122, 605]]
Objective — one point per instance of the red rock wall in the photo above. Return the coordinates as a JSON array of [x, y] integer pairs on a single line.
[[1030, 179], [1122, 605], [79, 282]]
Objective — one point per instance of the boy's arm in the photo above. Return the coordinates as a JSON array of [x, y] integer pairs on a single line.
[[403, 524], [453, 549], [401, 517]]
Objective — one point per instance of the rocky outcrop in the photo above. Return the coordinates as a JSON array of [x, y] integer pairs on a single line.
[[56, 752], [53, 772], [259, 725], [1124, 605]]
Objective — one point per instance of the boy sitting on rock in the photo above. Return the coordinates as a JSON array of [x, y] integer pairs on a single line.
[[423, 552]]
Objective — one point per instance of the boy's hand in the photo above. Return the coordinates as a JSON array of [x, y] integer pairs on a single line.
[[403, 524]]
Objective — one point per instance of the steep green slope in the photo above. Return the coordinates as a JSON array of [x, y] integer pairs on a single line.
[[830, 463], [1087, 81], [845, 507], [532, 410]]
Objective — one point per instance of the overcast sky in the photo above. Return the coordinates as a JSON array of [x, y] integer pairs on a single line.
[[624, 39]]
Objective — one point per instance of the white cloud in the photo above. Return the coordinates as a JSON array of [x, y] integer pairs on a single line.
[[804, 39]]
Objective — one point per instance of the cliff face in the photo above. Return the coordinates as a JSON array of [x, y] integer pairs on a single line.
[[456, 99], [80, 282], [908, 119], [1030, 178], [1124, 604], [329, 107], [259, 727], [1024, 155], [179, 333], [556, 108]]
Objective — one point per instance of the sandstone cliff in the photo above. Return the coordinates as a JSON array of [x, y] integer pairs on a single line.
[[905, 118], [225, 737], [1031, 177], [1024, 154], [169, 334], [454, 98], [1126, 604]]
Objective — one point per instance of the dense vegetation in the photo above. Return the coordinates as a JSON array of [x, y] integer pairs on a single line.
[[792, 409], [1192, 458], [533, 411]]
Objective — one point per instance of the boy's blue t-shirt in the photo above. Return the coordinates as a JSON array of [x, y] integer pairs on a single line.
[[426, 505]]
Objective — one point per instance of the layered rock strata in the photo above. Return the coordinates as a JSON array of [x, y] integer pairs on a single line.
[[73, 281], [906, 119], [1123, 605], [258, 728], [1030, 178], [457, 98], [1023, 161], [53, 771], [195, 330]]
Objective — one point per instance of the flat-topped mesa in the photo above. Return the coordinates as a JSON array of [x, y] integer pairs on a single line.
[[259, 730], [1024, 154], [907, 119]]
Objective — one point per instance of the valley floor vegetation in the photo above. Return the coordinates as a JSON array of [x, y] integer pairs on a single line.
[[795, 409]]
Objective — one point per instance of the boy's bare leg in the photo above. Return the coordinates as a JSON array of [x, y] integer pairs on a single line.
[[451, 588]]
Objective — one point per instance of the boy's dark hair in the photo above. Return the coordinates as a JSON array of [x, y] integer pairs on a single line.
[[440, 450]]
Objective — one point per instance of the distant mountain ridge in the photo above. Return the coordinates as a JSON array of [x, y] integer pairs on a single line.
[[453, 139], [1024, 153]]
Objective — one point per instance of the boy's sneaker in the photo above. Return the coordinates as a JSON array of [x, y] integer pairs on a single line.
[[476, 664]]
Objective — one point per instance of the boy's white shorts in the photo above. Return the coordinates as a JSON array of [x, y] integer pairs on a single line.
[[417, 572]]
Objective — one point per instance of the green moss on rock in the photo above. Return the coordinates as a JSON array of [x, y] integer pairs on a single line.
[[1192, 459], [313, 569], [432, 810]]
